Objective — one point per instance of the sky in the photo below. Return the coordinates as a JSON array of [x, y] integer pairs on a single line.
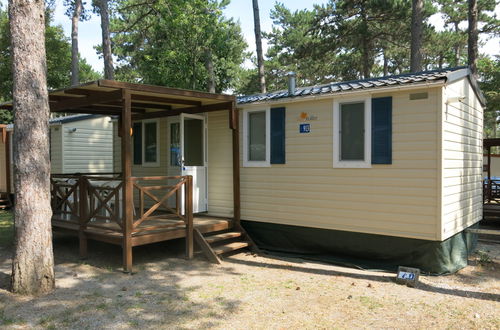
[[90, 31]]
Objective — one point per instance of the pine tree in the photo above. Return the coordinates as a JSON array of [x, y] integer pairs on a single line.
[[33, 262]]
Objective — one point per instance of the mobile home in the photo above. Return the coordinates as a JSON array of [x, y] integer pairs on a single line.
[[384, 170]]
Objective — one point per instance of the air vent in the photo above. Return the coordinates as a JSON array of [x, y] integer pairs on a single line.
[[419, 96]]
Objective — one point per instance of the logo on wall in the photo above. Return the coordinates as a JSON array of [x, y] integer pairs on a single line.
[[304, 116]]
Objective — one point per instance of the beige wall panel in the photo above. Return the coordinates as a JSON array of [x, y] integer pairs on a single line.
[[462, 159], [400, 199], [220, 165]]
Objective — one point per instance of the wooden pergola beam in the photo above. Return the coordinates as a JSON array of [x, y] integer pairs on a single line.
[[161, 99], [190, 110], [163, 90], [80, 102], [141, 105]]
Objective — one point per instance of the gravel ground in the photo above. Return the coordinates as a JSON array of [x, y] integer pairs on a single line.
[[247, 292]]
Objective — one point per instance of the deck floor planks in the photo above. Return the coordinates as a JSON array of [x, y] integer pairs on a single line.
[[204, 223]]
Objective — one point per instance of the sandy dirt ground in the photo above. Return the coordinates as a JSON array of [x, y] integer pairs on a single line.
[[246, 292]]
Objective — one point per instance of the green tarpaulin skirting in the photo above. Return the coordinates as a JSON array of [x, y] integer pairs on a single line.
[[367, 251]]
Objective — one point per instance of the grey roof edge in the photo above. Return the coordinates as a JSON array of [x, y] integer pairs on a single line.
[[416, 79], [66, 119], [467, 73], [73, 118]]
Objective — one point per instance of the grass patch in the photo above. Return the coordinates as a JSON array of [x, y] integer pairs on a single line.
[[6, 228], [483, 258], [370, 303], [4, 320]]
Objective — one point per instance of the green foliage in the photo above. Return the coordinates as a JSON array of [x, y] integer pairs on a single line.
[[167, 43], [58, 52], [345, 40], [489, 70]]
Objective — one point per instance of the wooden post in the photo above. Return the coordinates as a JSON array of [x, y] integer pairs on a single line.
[[127, 200], [489, 174], [188, 214], [234, 122], [83, 215]]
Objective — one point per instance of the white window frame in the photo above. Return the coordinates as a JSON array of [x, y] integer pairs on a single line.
[[367, 162], [151, 164], [257, 163]]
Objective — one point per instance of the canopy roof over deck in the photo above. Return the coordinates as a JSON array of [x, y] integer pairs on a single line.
[[130, 102], [104, 97]]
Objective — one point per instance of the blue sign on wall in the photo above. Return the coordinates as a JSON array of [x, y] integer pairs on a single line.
[[305, 128]]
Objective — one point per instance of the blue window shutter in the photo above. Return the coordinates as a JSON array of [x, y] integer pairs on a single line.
[[278, 136], [137, 137], [382, 130]]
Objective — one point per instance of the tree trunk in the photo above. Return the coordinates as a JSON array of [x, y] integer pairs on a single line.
[[258, 44], [75, 19], [386, 64], [416, 36], [457, 46], [473, 36], [33, 263], [366, 48], [209, 65], [106, 40]]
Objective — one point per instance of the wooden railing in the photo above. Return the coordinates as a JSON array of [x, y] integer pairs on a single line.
[[491, 190], [96, 200]]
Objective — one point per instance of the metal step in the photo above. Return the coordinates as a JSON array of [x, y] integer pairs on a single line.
[[220, 237], [230, 247]]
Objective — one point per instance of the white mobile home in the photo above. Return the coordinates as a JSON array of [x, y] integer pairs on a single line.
[[385, 169], [78, 144]]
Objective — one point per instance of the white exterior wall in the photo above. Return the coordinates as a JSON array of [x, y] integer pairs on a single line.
[[89, 149], [462, 159]]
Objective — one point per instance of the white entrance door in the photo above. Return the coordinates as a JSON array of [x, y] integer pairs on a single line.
[[187, 153]]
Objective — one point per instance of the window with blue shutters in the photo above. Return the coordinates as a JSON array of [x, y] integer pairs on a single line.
[[362, 132], [264, 137]]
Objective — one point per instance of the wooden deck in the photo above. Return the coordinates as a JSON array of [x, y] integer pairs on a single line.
[[110, 232], [491, 210]]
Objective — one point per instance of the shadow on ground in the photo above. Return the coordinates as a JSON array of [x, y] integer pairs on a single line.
[[369, 276], [95, 293]]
